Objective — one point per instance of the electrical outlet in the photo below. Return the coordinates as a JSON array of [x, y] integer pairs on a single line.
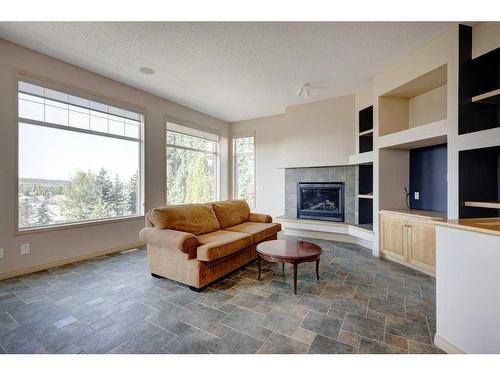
[[416, 196], [25, 249], [2, 253]]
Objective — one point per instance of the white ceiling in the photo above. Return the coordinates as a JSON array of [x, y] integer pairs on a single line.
[[232, 71]]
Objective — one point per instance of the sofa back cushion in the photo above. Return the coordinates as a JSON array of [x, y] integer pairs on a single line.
[[232, 212], [192, 218]]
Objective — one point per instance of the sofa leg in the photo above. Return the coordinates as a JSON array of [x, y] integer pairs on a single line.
[[157, 276]]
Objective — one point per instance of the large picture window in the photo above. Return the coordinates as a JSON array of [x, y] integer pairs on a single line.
[[79, 159], [192, 165], [244, 169]]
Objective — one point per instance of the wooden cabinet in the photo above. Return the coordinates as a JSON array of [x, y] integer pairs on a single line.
[[422, 244], [409, 237], [393, 233]]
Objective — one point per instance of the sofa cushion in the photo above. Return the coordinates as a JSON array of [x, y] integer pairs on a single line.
[[192, 218], [221, 243], [232, 212], [259, 231]]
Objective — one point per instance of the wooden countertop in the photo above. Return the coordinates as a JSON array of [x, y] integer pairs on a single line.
[[489, 225], [421, 214]]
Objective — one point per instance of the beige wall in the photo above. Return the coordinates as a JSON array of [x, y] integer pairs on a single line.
[[485, 37], [313, 134], [72, 242], [388, 190]]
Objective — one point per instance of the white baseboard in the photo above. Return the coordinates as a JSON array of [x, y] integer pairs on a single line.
[[447, 346], [61, 262]]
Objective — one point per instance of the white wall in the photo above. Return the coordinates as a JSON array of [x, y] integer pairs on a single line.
[[314, 134], [51, 246], [467, 290]]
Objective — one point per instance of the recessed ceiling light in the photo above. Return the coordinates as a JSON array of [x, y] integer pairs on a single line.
[[146, 70]]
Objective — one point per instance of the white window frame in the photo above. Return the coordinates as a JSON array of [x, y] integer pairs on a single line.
[[234, 137], [181, 127], [141, 153]]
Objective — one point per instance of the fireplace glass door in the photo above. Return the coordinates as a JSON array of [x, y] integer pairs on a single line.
[[321, 201]]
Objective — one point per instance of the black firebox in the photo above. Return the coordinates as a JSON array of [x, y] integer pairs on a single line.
[[320, 201]]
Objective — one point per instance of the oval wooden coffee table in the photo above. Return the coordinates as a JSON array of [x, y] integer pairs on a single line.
[[289, 251]]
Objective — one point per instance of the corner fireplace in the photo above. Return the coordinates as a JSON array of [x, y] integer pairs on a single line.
[[320, 201]]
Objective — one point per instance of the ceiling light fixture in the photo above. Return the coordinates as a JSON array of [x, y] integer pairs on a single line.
[[303, 90], [146, 70]]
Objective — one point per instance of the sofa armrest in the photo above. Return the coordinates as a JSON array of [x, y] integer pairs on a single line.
[[185, 242], [260, 218]]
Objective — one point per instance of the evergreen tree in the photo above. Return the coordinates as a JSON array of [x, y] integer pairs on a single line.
[[103, 193], [81, 199], [198, 183], [43, 213], [26, 209], [118, 202], [132, 194]]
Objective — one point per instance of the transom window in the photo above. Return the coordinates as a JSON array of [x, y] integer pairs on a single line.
[[192, 165], [244, 169], [79, 159]]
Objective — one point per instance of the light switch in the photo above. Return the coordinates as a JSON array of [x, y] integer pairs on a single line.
[[25, 249], [417, 196]]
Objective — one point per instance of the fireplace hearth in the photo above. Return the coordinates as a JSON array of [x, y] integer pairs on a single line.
[[320, 201]]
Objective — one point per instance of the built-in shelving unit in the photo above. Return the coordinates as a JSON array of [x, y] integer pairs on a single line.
[[366, 130], [479, 87], [365, 168], [365, 194], [421, 101], [479, 182], [479, 111]]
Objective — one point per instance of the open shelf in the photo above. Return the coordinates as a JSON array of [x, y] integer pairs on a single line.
[[365, 117], [364, 158], [479, 183], [419, 102], [483, 204], [365, 196], [366, 143], [479, 87], [428, 135], [491, 97], [367, 132]]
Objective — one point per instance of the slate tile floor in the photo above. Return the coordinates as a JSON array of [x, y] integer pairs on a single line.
[[113, 305]]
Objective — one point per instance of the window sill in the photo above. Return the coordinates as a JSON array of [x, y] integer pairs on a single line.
[[58, 227]]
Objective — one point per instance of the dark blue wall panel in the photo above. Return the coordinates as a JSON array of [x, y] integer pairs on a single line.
[[428, 176]]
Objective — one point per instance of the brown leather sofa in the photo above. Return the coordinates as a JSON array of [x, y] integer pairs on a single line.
[[196, 244]]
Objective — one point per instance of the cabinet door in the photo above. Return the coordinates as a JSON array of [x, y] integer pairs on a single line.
[[394, 237], [422, 249]]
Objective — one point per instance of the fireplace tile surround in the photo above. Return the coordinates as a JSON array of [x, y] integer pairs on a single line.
[[345, 174]]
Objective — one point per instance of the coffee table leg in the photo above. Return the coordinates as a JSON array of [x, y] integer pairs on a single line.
[[258, 262], [295, 277], [317, 268], [283, 266]]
